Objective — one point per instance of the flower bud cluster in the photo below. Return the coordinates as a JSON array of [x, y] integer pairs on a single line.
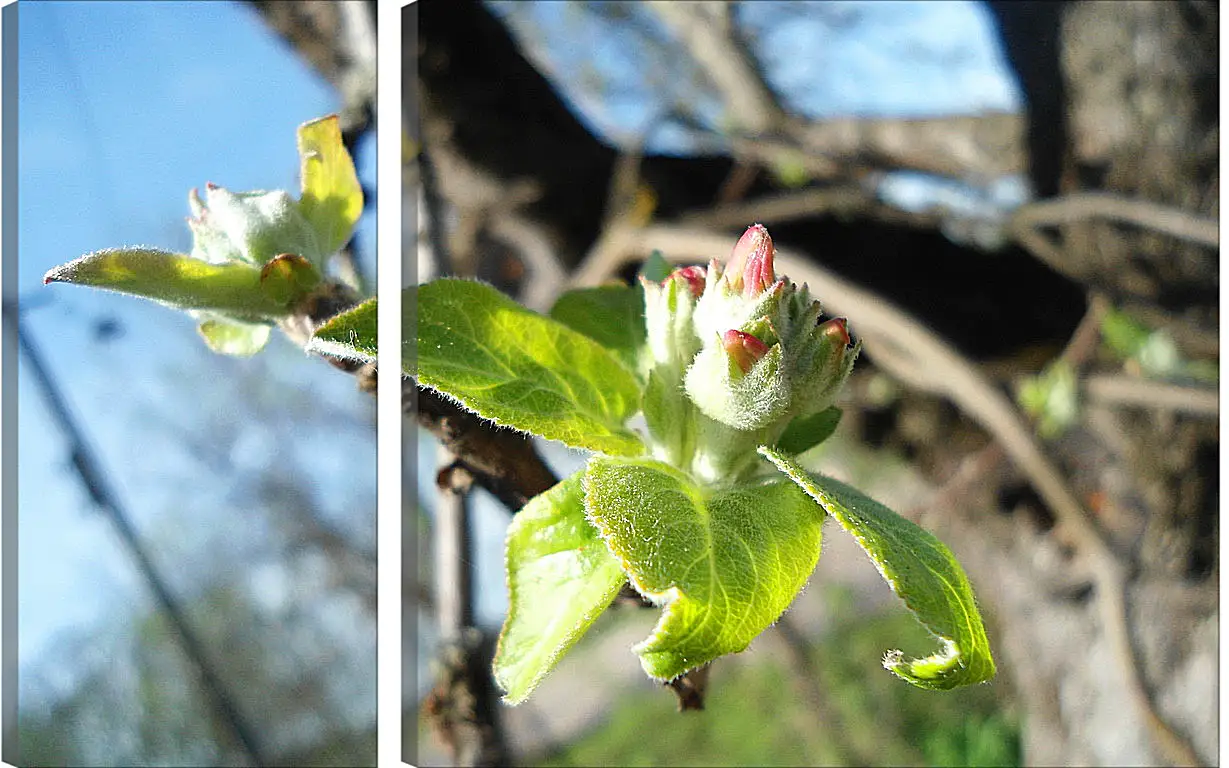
[[749, 353], [251, 227]]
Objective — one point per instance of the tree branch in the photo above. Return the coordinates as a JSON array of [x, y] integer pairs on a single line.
[[1142, 393], [707, 31], [1141, 213], [504, 462]]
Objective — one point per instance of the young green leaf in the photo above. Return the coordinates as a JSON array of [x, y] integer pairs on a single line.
[[560, 579], [724, 563], [804, 433], [920, 570], [656, 268], [520, 369], [350, 335], [409, 331], [611, 315], [176, 280], [332, 198], [237, 339]]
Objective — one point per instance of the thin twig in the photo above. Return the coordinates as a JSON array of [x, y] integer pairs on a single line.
[[925, 361], [707, 31], [1117, 389], [1103, 205], [836, 200], [95, 479], [689, 688]]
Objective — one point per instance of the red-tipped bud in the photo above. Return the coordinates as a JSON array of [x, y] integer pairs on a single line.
[[750, 269], [694, 277], [743, 348], [836, 329]]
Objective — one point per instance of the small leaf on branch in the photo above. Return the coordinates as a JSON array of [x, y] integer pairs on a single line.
[[332, 198], [921, 571], [806, 432], [236, 339], [522, 370], [350, 335], [174, 279], [725, 563], [560, 579]]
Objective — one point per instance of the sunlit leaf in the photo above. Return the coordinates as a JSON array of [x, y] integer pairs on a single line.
[[724, 563], [611, 315], [176, 280], [921, 571], [560, 578], [522, 370], [332, 197], [350, 335], [237, 339]]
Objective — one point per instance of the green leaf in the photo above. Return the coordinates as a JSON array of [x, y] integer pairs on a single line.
[[176, 280], [350, 335], [520, 369], [332, 198], [804, 433], [656, 268], [560, 579], [1122, 333], [409, 331], [611, 315], [725, 564], [237, 339], [1051, 398], [920, 570]]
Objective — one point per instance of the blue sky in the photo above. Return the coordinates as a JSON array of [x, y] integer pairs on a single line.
[[124, 107]]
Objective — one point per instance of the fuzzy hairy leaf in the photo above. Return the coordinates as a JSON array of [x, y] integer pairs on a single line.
[[350, 335], [921, 571], [176, 280], [560, 579], [520, 369], [724, 563]]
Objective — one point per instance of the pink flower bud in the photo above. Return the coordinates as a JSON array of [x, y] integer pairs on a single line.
[[694, 277], [743, 348], [750, 269], [837, 330]]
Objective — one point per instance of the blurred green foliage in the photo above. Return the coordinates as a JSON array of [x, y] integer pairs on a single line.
[[754, 715]]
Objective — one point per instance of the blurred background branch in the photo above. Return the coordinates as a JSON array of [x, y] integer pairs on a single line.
[[972, 247]]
